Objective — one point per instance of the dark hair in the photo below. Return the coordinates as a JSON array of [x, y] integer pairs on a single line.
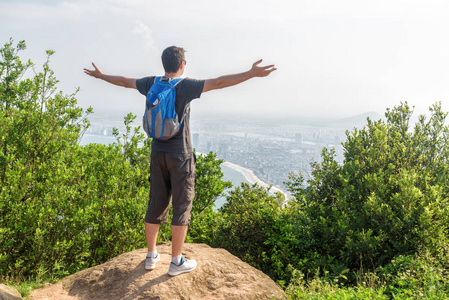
[[172, 57]]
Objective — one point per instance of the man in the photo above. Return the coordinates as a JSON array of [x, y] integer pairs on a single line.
[[172, 161]]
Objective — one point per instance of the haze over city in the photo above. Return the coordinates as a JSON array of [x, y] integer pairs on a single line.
[[335, 59]]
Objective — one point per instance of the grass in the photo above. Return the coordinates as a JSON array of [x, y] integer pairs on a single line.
[[406, 277], [24, 286]]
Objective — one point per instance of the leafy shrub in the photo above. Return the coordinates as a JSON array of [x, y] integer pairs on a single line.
[[322, 288], [388, 198], [418, 276], [209, 186], [253, 225], [63, 207]]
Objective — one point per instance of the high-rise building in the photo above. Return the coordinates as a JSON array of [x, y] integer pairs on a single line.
[[299, 139], [224, 151], [196, 140]]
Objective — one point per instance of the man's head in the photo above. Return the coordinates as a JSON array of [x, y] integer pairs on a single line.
[[172, 57]]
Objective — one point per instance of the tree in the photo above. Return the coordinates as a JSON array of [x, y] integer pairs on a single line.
[[38, 127], [256, 227], [388, 198]]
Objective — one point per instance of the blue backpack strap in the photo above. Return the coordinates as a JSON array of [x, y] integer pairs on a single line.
[[176, 82], [156, 80]]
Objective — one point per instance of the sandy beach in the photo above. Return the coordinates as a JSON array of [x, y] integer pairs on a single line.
[[251, 177]]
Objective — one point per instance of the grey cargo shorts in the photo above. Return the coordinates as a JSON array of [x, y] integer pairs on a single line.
[[172, 177]]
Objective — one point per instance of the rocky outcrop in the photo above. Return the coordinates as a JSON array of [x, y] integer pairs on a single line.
[[9, 293], [219, 275]]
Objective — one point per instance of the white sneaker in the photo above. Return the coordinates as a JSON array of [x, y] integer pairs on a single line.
[[184, 267], [150, 262]]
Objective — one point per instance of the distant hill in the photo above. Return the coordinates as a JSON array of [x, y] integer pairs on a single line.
[[358, 121]]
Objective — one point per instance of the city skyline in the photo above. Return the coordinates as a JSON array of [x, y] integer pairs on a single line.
[[254, 144]]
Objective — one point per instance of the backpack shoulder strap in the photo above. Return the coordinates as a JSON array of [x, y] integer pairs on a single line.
[[174, 82], [177, 80], [151, 89]]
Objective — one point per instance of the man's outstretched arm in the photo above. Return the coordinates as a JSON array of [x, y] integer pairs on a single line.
[[230, 80], [117, 80]]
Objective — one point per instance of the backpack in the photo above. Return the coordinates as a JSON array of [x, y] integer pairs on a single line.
[[160, 120]]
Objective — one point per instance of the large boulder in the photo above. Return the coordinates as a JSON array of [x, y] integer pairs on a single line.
[[219, 275], [9, 293]]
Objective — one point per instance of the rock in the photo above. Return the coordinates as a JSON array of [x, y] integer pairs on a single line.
[[9, 293], [219, 275]]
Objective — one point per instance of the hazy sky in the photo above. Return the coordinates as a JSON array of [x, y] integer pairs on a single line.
[[333, 57]]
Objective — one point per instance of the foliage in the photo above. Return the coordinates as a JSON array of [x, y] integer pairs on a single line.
[[419, 276], [423, 275], [24, 287], [209, 186], [388, 198], [63, 207], [321, 288], [253, 225]]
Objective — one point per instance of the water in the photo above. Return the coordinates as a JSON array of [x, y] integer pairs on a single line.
[[232, 175]]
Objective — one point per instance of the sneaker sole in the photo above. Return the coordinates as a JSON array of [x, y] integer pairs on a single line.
[[153, 266], [180, 272]]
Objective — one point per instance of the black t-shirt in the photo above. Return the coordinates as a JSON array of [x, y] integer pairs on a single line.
[[186, 90]]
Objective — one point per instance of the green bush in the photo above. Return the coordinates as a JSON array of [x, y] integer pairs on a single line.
[[254, 226], [318, 288], [209, 186], [388, 198], [63, 207], [418, 276]]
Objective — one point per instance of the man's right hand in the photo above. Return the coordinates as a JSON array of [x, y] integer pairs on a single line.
[[230, 80]]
